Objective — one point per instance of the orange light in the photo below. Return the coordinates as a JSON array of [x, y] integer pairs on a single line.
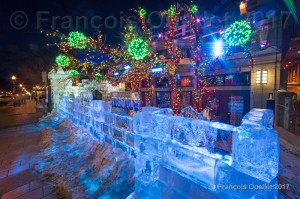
[[243, 7], [13, 77]]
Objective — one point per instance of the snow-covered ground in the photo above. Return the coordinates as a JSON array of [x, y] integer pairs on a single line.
[[79, 166]]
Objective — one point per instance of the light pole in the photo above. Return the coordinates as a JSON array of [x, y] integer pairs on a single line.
[[13, 78]]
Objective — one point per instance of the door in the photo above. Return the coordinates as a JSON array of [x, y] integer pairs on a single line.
[[287, 102]]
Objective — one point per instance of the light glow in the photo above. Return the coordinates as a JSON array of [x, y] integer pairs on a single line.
[[218, 48]]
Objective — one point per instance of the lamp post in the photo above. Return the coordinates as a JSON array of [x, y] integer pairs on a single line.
[[13, 78]]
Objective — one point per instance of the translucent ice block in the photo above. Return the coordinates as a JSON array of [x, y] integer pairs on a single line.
[[147, 145], [230, 183], [149, 109], [193, 162], [182, 129], [190, 112], [152, 125], [193, 132], [130, 138], [255, 151], [109, 118], [118, 134], [147, 164], [124, 122], [264, 117], [101, 105], [164, 111]]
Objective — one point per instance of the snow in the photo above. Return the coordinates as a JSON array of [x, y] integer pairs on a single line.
[[79, 166]]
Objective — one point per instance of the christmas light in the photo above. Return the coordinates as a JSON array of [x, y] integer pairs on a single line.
[[194, 9], [238, 34], [63, 61], [138, 49], [142, 12], [127, 67], [98, 76], [74, 73], [77, 40], [171, 11], [218, 48], [155, 70]]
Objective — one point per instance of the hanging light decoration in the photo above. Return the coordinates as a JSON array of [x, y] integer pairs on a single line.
[[142, 12], [172, 11], [138, 48], [98, 76], [238, 34], [74, 73], [63, 61], [193, 9], [77, 40]]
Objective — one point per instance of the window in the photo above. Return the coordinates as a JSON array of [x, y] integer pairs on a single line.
[[185, 82], [262, 76], [186, 53], [162, 82], [163, 99], [235, 79], [145, 83], [240, 79]]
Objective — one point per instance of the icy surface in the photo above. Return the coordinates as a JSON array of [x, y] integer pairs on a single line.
[[80, 166], [190, 112], [230, 183], [255, 151], [201, 152], [263, 117], [151, 125]]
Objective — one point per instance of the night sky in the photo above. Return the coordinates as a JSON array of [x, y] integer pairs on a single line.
[[24, 52]]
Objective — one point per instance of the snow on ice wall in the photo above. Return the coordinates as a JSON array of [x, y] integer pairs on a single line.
[[186, 149]]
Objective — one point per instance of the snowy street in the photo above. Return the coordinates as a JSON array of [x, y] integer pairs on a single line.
[[34, 154], [19, 148]]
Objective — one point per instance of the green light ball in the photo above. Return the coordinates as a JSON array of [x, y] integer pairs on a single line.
[[98, 76], [171, 10], [77, 40], [63, 61], [194, 9], [142, 12], [238, 34], [74, 73], [138, 49]]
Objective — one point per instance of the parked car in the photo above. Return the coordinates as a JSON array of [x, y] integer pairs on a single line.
[[5, 99]]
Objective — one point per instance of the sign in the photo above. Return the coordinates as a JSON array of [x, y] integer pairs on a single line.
[[126, 101]]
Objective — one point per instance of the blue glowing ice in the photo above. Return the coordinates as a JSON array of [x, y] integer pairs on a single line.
[[211, 155]]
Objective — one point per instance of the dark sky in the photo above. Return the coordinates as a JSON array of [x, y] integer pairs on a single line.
[[23, 52]]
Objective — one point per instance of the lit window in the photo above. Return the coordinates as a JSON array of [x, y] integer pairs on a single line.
[[261, 76]]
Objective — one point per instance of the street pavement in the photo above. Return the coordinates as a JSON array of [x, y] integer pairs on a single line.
[[19, 147]]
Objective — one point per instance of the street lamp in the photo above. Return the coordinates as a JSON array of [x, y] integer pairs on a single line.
[[13, 78]]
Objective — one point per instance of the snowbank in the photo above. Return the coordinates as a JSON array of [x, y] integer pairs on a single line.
[[79, 166]]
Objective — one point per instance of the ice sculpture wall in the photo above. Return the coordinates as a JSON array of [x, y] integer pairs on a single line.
[[180, 157]]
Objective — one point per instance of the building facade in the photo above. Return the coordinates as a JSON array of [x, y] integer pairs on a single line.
[[237, 82]]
